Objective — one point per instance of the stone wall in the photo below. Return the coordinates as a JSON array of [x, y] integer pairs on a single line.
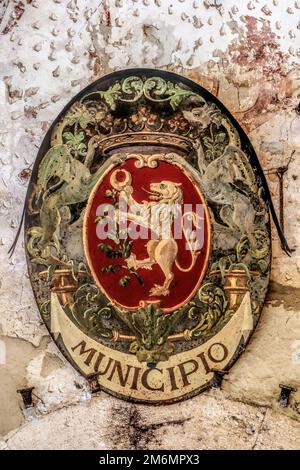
[[246, 53]]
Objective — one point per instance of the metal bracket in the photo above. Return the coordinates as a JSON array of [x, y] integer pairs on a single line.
[[280, 171], [284, 396], [93, 382], [26, 394], [217, 378]]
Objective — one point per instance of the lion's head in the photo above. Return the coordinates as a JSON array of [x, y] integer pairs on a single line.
[[166, 191]]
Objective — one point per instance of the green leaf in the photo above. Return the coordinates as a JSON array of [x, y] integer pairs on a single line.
[[137, 276], [81, 147], [208, 142], [68, 135], [127, 247], [109, 251], [105, 247], [175, 101], [132, 85], [124, 281], [79, 136], [220, 138], [111, 268], [111, 95], [209, 155]]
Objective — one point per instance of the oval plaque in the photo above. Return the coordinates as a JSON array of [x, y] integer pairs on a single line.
[[140, 263], [147, 236]]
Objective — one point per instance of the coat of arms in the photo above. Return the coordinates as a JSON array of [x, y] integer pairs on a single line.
[[147, 235]]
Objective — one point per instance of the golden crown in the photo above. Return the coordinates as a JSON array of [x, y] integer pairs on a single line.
[[137, 111]]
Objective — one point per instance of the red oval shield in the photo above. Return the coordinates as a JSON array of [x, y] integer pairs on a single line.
[[147, 233]]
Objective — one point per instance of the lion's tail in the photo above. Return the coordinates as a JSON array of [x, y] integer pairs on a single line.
[[190, 241], [192, 264]]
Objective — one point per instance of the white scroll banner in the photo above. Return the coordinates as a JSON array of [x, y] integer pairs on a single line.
[[122, 373]]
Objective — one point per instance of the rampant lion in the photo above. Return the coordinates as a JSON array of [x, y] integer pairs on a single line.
[[157, 214]]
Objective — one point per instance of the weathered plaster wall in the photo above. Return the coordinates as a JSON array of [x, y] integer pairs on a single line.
[[247, 53]]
